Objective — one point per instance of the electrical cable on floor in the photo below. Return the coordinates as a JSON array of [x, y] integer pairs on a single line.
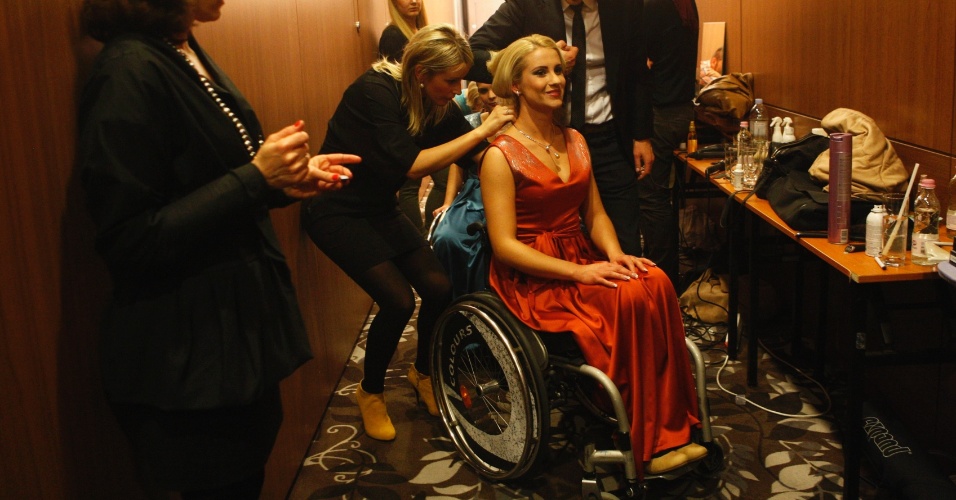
[[706, 336], [743, 397]]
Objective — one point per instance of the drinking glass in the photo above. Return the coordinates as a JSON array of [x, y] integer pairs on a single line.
[[895, 229], [748, 162], [761, 148], [730, 158]]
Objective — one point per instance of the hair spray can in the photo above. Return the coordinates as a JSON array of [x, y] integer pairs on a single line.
[[841, 166]]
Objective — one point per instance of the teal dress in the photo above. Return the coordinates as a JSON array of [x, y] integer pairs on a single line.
[[465, 256]]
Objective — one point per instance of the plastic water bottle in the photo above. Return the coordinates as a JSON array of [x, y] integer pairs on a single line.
[[759, 121], [745, 140], [874, 231], [925, 221], [951, 210]]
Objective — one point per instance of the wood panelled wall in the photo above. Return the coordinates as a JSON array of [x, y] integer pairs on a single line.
[[894, 61]]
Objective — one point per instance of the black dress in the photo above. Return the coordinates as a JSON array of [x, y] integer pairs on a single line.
[[392, 43], [204, 321], [361, 225]]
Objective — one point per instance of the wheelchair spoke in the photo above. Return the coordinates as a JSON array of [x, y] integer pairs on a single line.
[[479, 370], [469, 369]]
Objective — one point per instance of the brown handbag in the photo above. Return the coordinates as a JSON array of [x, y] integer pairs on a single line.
[[707, 298], [729, 96]]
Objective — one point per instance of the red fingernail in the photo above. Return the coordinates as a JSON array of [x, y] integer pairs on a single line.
[[298, 123], [335, 177]]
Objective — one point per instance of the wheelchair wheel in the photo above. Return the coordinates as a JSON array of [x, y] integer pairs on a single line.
[[489, 387]]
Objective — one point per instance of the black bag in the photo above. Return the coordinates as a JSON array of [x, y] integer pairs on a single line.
[[785, 182], [803, 204], [796, 155], [798, 201]]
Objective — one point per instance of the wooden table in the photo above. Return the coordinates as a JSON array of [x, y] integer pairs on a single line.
[[862, 272]]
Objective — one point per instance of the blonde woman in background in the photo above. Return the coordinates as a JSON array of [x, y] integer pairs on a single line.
[[408, 16]]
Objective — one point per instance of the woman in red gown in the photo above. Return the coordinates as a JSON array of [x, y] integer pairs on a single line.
[[537, 190]]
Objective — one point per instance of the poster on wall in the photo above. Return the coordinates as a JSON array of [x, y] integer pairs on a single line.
[[711, 64]]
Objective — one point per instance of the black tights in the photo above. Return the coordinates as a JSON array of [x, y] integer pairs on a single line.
[[390, 286]]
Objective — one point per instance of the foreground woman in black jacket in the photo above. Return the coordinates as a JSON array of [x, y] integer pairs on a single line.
[[179, 181]]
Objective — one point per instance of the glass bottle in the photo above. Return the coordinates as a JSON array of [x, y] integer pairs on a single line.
[[692, 138], [951, 209], [925, 222], [745, 139]]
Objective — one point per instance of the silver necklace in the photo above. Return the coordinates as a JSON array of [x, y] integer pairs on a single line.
[[243, 133], [547, 147]]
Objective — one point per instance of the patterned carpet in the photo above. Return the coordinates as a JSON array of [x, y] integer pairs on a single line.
[[766, 456]]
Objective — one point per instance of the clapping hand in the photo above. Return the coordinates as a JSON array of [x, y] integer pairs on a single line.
[[285, 163], [283, 157], [325, 173]]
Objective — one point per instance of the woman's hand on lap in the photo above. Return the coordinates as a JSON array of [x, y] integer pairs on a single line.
[[603, 273], [633, 263]]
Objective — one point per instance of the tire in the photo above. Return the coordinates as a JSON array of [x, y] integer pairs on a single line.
[[489, 388]]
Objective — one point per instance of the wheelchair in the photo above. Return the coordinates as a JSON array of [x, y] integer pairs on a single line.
[[496, 382]]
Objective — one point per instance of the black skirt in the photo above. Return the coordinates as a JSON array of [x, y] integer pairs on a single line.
[[202, 449], [355, 243]]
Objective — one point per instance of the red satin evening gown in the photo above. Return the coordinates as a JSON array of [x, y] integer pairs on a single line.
[[633, 333]]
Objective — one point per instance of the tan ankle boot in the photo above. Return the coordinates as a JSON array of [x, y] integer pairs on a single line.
[[665, 463], [693, 451], [423, 389], [375, 415]]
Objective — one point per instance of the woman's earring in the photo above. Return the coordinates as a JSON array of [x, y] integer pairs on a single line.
[[421, 85], [517, 92]]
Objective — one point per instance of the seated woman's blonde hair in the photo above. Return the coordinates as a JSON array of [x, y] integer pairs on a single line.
[[506, 67]]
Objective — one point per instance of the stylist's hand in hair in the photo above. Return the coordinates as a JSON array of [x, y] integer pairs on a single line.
[[284, 156], [570, 54], [496, 119]]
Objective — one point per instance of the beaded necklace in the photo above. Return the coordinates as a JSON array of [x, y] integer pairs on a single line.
[[547, 147], [243, 133]]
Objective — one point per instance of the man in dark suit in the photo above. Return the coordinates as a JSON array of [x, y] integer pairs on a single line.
[[617, 119], [671, 29]]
